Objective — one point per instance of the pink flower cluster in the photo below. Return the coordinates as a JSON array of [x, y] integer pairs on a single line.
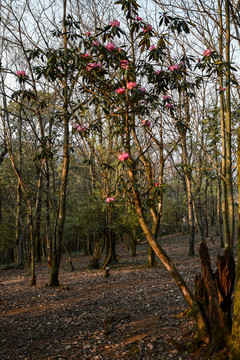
[[156, 184], [159, 72], [166, 97], [21, 73], [131, 85], [80, 128], [148, 28], [85, 55], [152, 47], [123, 156], [221, 88], [124, 64], [110, 199], [174, 67], [146, 122], [143, 90], [95, 43], [115, 23], [91, 66], [110, 47], [207, 52], [138, 18], [88, 33], [120, 90], [168, 106]]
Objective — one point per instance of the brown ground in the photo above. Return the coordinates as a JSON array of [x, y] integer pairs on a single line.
[[133, 314]]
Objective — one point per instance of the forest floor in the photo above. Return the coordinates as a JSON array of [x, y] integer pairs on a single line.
[[133, 314]]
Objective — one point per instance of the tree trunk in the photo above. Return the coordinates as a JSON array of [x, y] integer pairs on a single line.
[[151, 257], [234, 341], [58, 236], [229, 187], [201, 323], [218, 296]]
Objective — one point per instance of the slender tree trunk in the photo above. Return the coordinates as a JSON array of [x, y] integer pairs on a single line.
[[47, 216], [58, 237], [19, 238], [229, 187], [187, 173], [223, 136], [205, 212], [219, 215], [234, 341], [197, 312]]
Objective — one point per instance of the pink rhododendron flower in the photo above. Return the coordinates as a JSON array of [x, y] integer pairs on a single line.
[[138, 18], [123, 156], [95, 43], [89, 33], [21, 73], [120, 90], [80, 128], [156, 184], [148, 28], [131, 85], [221, 88], [110, 47], [114, 23], [174, 67], [124, 64], [207, 52], [146, 122], [168, 105], [85, 55], [159, 72], [110, 199], [91, 66], [152, 47], [166, 97], [143, 90]]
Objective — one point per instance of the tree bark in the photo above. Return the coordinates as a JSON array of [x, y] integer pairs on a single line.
[[58, 236]]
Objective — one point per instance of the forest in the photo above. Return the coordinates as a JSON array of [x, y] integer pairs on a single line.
[[119, 179]]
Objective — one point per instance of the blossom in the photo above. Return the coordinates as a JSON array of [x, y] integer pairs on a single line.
[[120, 90], [138, 18], [124, 64], [168, 105], [221, 88], [159, 72], [143, 90], [80, 128], [152, 47], [166, 97], [110, 199], [21, 73], [95, 43], [207, 52], [123, 156], [146, 122], [174, 67], [115, 23], [131, 85], [91, 66], [89, 33], [85, 55], [148, 28], [110, 47], [156, 184]]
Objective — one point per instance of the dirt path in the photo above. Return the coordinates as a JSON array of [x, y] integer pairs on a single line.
[[130, 315]]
